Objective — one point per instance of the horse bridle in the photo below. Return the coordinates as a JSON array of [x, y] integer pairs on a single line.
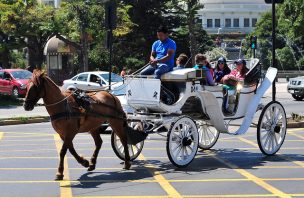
[[39, 87]]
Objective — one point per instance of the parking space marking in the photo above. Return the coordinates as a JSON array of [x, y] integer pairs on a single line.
[[65, 185], [299, 163], [1, 135], [163, 182], [297, 135], [251, 177]]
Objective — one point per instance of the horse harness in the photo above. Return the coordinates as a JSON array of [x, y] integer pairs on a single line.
[[84, 109]]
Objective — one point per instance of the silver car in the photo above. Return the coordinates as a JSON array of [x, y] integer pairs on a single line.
[[296, 87], [97, 80]]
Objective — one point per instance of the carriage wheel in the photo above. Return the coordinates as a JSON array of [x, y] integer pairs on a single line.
[[182, 141], [271, 129], [134, 150], [208, 135]]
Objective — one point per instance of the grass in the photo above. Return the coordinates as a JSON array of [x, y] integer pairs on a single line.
[[8, 100]]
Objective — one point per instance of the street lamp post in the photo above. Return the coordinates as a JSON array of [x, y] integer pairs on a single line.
[[273, 2]]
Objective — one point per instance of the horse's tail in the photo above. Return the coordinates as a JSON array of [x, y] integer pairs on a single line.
[[134, 136]]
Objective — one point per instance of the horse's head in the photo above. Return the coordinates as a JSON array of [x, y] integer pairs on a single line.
[[35, 90]]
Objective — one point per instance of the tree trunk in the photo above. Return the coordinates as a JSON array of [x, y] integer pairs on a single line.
[[4, 59], [35, 52], [191, 25]]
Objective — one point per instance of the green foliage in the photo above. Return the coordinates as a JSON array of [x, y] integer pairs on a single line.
[[215, 54], [31, 24], [290, 36], [18, 60], [6, 100]]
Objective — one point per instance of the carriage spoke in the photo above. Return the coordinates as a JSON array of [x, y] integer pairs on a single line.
[[178, 152], [267, 138]]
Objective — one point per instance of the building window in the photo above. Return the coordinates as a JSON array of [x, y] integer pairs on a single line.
[[246, 22], [217, 23], [227, 22], [209, 23], [199, 21], [254, 21], [236, 23]]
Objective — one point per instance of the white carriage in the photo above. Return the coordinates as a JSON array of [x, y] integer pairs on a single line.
[[193, 115]]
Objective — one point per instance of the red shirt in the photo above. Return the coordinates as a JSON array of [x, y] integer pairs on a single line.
[[237, 74]]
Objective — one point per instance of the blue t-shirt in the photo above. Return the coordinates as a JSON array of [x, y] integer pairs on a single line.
[[161, 49]]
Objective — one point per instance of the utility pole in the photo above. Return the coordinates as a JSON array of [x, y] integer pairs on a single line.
[[273, 2], [110, 24]]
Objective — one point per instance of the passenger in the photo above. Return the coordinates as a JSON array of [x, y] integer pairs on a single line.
[[238, 74], [181, 62], [221, 70], [162, 54], [202, 63]]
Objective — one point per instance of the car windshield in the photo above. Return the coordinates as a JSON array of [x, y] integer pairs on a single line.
[[118, 91], [22, 74], [114, 77]]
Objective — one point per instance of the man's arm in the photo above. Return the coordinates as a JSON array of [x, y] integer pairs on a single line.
[[167, 57]]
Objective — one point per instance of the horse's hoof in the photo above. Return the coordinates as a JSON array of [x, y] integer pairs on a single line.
[[91, 167], [85, 163], [59, 177], [127, 166]]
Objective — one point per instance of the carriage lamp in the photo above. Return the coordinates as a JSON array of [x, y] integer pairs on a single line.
[[239, 86]]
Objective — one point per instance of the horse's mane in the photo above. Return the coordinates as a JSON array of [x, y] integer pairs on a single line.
[[38, 75]]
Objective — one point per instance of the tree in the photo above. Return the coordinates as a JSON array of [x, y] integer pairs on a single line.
[[188, 10], [30, 24], [290, 35]]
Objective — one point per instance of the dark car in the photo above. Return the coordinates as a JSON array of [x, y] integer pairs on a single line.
[[14, 81]]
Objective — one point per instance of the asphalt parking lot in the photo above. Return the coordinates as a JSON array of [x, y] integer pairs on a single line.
[[235, 167]]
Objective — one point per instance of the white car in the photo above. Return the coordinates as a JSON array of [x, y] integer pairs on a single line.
[[296, 87], [97, 80]]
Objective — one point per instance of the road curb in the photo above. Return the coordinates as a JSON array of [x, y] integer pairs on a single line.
[[23, 120]]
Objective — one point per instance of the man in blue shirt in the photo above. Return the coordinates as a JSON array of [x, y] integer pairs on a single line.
[[162, 55]]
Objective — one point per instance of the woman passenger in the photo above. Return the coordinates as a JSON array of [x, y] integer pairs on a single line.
[[221, 70]]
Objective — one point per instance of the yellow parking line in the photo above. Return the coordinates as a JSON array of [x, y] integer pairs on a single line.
[[125, 197], [299, 163], [252, 177], [171, 191], [297, 135], [154, 181], [295, 130], [276, 167], [65, 185], [1, 135], [230, 196]]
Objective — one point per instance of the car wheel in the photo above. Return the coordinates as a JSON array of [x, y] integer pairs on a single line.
[[15, 92], [297, 97]]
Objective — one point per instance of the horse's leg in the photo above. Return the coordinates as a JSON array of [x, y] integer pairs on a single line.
[[63, 151], [81, 160], [69, 143], [98, 142], [118, 128]]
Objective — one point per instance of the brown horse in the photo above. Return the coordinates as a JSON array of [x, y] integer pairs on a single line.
[[68, 119]]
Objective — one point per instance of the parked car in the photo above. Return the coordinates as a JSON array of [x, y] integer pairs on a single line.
[[14, 81], [97, 80], [296, 87]]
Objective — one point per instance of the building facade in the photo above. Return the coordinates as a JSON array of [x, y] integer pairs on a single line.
[[55, 3], [231, 16]]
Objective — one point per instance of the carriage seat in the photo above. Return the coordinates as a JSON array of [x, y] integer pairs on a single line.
[[186, 74], [217, 88]]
